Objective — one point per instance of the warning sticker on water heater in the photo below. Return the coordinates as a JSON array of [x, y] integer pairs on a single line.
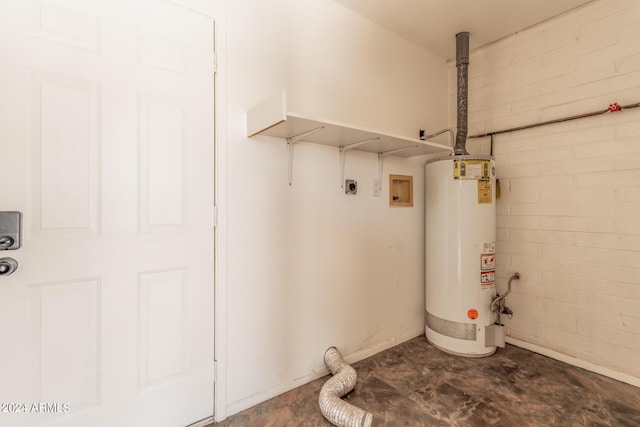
[[489, 247], [487, 278], [487, 262]]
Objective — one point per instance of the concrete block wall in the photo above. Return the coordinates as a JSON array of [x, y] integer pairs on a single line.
[[569, 215]]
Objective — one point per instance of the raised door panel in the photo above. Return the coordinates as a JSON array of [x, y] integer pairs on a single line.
[[64, 121]]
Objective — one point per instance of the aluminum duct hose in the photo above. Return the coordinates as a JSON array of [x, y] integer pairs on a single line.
[[333, 408]]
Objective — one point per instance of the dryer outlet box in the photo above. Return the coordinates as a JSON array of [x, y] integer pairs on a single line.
[[350, 186]]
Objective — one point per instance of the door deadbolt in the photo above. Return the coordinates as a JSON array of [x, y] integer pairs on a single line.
[[10, 227], [8, 266]]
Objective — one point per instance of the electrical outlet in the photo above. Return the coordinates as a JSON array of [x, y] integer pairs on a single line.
[[377, 187]]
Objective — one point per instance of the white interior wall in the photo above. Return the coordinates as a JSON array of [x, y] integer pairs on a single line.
[[308, 266], [568, 216]]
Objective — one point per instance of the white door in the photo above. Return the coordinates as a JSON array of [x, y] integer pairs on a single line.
[[107, 147]]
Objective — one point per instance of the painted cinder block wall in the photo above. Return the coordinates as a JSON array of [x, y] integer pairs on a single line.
[[568, 219]]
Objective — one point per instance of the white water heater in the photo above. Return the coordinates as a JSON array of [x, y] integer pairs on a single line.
[[460, 255]]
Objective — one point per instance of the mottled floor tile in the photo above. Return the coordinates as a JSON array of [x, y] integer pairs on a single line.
[[414, 384]]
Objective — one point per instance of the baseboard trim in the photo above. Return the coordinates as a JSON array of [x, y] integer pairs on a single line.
[[202, 423], [570, 360], [320, 372]]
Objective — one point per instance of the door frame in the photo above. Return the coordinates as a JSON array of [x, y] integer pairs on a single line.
[[220, 208], [221, 220]]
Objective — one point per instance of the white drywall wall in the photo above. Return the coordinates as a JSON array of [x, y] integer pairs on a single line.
[[308, 266]]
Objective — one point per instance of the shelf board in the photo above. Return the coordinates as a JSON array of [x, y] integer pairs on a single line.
[[272, 119]]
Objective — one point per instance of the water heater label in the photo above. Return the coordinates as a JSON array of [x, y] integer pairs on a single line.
[[484, 192], [487, 262], [471, 169], [489, 248], [487, 278]]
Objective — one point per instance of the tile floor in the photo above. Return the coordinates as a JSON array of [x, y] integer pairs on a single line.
[[414, 384]]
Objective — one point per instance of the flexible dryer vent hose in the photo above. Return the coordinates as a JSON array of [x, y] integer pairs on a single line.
[[334, 409]]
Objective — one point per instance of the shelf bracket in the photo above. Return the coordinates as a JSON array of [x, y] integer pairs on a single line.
[[384, 154], [343, 154], [291, 141]]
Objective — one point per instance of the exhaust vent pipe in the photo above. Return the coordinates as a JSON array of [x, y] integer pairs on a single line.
[[462, 65], [334, 409]]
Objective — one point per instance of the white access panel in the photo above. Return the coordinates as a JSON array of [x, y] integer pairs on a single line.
[[460, 229]]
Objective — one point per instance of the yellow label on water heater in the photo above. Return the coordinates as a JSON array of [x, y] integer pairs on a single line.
[[471, 169], [484, 192]]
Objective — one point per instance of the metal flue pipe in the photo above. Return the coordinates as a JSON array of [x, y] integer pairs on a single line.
[[462, 67]]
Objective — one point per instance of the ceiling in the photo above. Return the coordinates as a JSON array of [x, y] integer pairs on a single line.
[[433, 24]]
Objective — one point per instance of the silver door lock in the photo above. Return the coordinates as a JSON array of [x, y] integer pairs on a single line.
[[8, 266], [10, 224]]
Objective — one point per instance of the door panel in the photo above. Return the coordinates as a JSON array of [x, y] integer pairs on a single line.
[[64, 155], [65, 312], [107, 140]]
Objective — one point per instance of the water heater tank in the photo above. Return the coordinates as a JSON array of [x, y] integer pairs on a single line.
[[460, 254]]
